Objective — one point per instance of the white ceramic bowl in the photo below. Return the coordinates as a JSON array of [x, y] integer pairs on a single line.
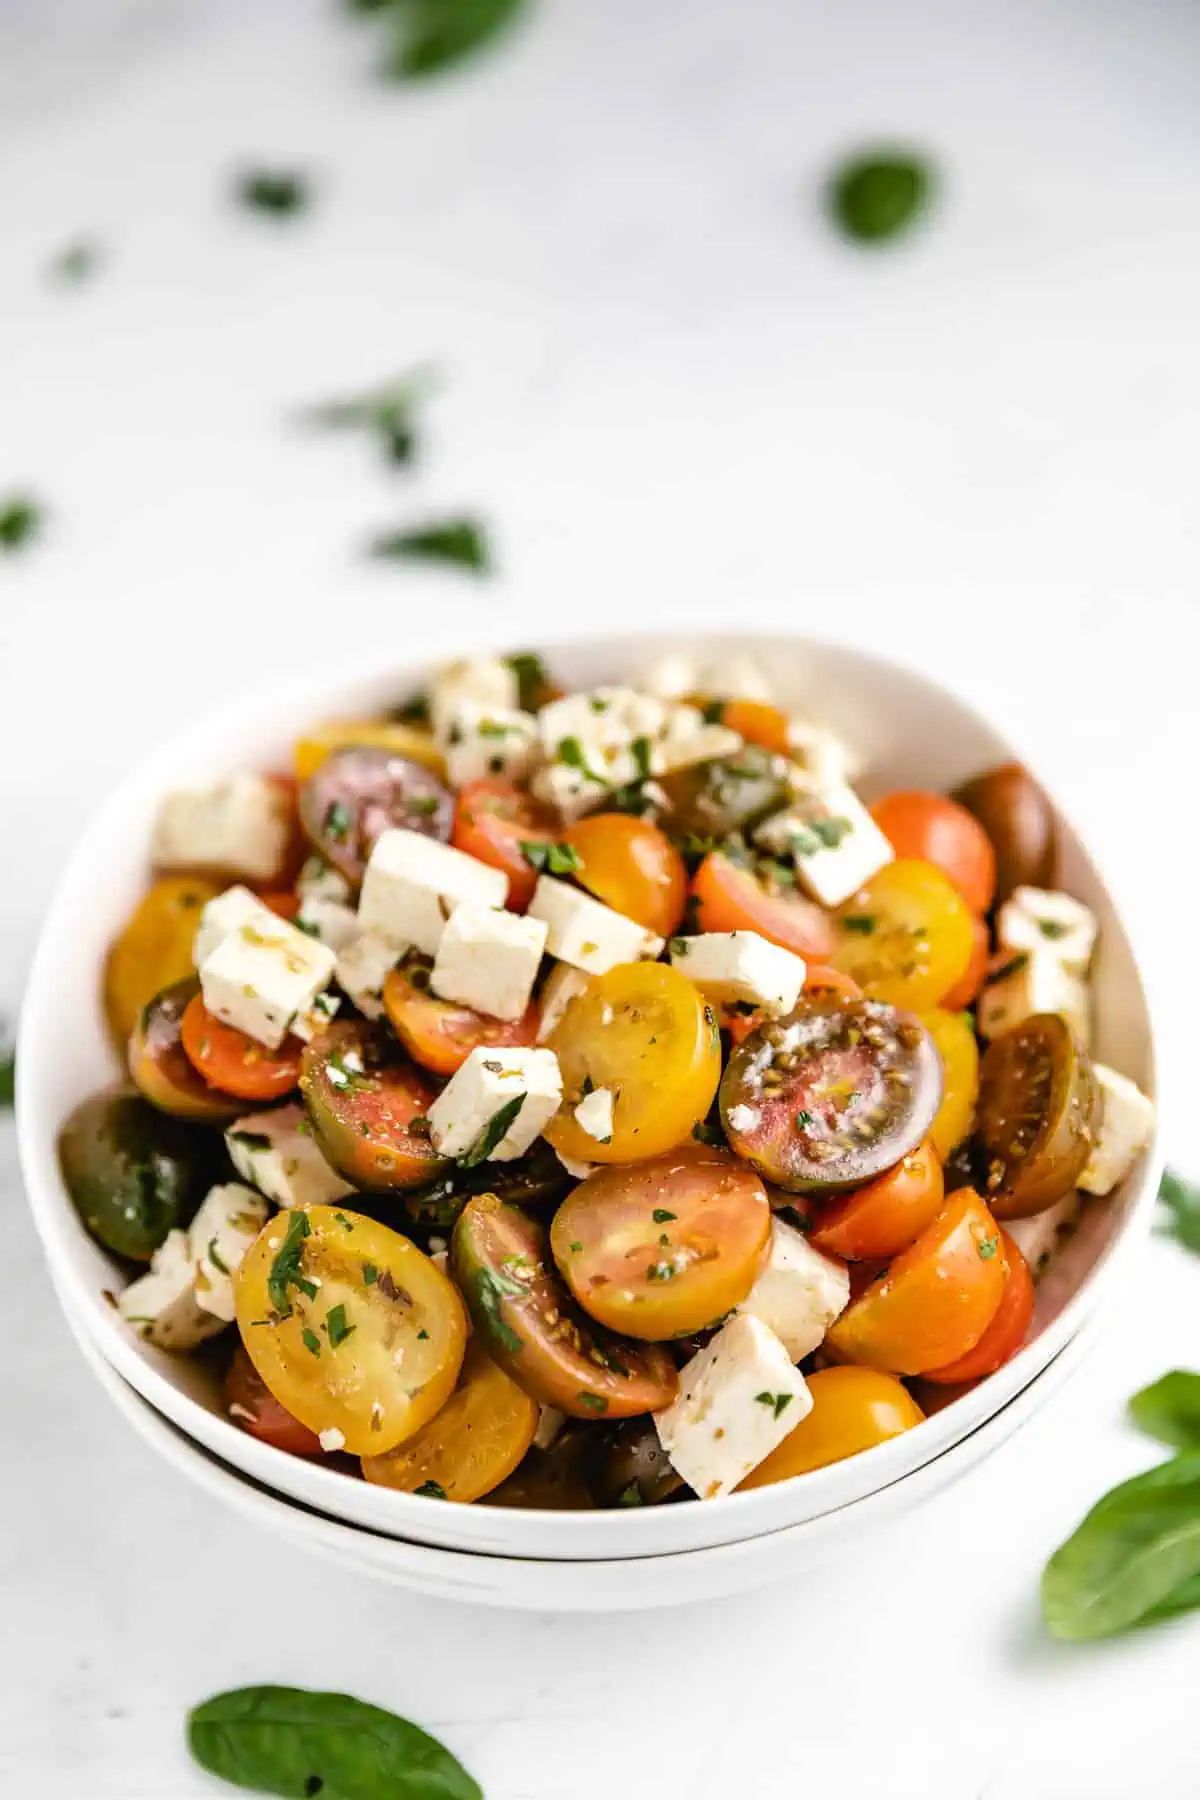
[[909, 731]]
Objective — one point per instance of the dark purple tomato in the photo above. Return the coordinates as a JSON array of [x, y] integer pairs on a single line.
[[359, 793]]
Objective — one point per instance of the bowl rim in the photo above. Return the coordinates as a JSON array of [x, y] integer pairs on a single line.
[[318, 692]]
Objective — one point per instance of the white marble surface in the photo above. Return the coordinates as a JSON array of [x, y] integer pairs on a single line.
[[676, 396]]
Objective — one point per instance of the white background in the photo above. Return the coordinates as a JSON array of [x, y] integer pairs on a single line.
[[677, 397]]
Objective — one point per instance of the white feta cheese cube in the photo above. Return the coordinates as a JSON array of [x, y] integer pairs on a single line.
[[162, 1306], [822, 757], [241, 826], [236, 907], [1044, 919], [316, 1017], [1028, 982], [260, 977], [413, 883], [562, 985], [594, 1114], [362, 969], [276, 1152], [483, 742], [483, 681], [1126, 1125], [319, 880], [586, 933], [230, 1218], [550, 1423], [729, 966], [594, 742], [738, 1399], [800, 1292], [684, 739], [463, 1115], [489, 960], [1037, 1238], [331, 922], [832, 839]]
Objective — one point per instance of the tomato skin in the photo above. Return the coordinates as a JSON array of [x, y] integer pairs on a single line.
[[932, 828], [1019, 822], [966, 988], [440, 1036], [233, 1062], [1007, 1331], [255, 1410], [161, 1067], [821, 979], [853, 1409], [378, 734], [284, 905], [367, 1103], [728, 898], [491, 819], [906, 935], [475, 1442], [954, 1040], [886, 1215], [759, 723], [935, 1301], [633, 867], [154, 948]]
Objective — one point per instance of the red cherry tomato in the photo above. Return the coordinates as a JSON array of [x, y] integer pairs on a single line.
[[729, 898], [492, 819], [932, 828], [1006, 1333], [633, 867], [233, 1062], [254, 1409], [441, 1036], [886, 1215]]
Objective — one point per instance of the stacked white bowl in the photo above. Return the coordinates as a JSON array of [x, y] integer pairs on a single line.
[[908, 733]]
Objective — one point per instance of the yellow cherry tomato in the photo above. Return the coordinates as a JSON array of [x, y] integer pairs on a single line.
[[643, 1031], [352, 1327], [154, 948], [954, 1039], [376, 734], [472, 1445], [906, 936], [852, 1410]]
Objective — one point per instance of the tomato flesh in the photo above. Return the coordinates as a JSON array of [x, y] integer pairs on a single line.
[[440, 1035], [729, 898], [853, 1409], [160, 1066], [1039, 1111], [886, 1215], [475, 1442], [358, 793], [492, 819], [958, 1051], [966, 988], [1007, 1331], [233, 1062], [367, 1105], [633, 867], [255, 1410], [934, 829]]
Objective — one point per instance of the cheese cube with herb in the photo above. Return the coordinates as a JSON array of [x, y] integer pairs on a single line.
[[319, 880], [162, 1306], [832, 839], [738, 1399], [595, 742], [740, 966], [586, 933], [316, 1017], [495, 1106], [230, 1218], [483, 681], [1028, 982], [331, 922], [489, 960], [363, 967], [562, 985], [227, 913], [276, 1152], [594, 1114], [822, 757], [1042, 919], [482, 741], [241, 826], [413, 883], [800, 1292], [1037, 1238], [1126, 1126], [260, 977]]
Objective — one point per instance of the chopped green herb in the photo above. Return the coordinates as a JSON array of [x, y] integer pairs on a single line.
[[594, 1402], [533, 680], [215, 1258], [556, 859], [987, 1247], [461, 542], [878, 196], [830, 832], [75, 263], [343, 1221], [714, 712], [280, 192], [20, 522], [570, 752], [804, 1120], [640, 751], [391, 414], [285, 1270], [678, 947], [661, 1216], [338, 821], [1053, 928], [490, 1289], [1013, 966], [311, 1341], [493, 1133], [430, 36], [661, 1271], [337, 1327], [370, 1274], [631, 1496], [1182, 1201], [864, 923], [777, 1402], [307, 926], [422, 1335], [8, 1073], [576, 1248], [431, 1490], [707, 1131]]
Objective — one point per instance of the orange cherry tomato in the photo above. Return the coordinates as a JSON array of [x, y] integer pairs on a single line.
[[932, 828], [759, 723], [233, 1062], [633, 867], [886, 1215], [852, 1410], [492, 818], [971, 980], [729, 898], [935, 1301], [906, 935], [441, 1036], [1006, 1333], [254, 1409]]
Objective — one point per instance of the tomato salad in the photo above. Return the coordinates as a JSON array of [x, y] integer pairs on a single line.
[[586, 1099]]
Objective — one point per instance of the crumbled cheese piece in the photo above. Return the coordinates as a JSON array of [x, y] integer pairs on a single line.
[[562, 985], [731, 966], [276, 1152], [743, 1118], [489, 960], [241, 826], [1037, 1238], [261, 976], [738, 1399], [362, 969], [823, 758], [482, 741], [575, 1167], [1043, 919], [1126, 1125], [413, 883], [483, 681], [319, 880], [230, 1218], [685, 740], [586, 933], [162, 1306], [1028, 982], [332, 1439], [800, 1292], [462, 1115], [594, 1114], [832, 839], [227, 913], [331, 922]]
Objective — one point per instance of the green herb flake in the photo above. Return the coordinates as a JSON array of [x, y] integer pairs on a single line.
[[863, 923], [570, 752], [428, 37], [391, 414], [311, 1341], [337, 1327], [431, 1490], [280, 193], [831, 832], [422, 1336], [459, 542], [215, 1258], [804, 1120], [878, 196], [594, 1402], [20, 522], [490, 1291], [1182, 1200], [285, 1270], [640, 751], [661, 1216], [987, 1247], [576, 1248], [8, 1078], [370, 1274], [661, 1271], [556, 859], [343, 1221], [75, 263], [493, 1133], [631, 1496], [533, 679], [777, 1402], [338, 821], [1053, 928]]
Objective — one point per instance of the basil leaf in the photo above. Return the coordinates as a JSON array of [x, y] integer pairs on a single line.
[[461, 542], [1169, 1409], [8, 1078], [280, 192], [20, 522], [75, 263], [1182, 1201], [492, 1133], [1137, 1548], [876, 197], [391, 413], [295, 1743], [432, 35]]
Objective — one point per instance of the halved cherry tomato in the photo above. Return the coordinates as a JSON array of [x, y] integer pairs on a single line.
[[1039, 1110], [853, 1409], [935, 1301], [1006, 1333], [154, 948], [492, 819], [441, 1036], [906, 935], [820, 980], [352, 1328], [831, 1095], [284, 905], [931, 828], [1019, 822], [473, 1444], [254, 1409], [644, 1031], [395, 735], [160, 1066], [235, 1063], [886, 1215], [632, 866], [954, 1040], [729, 898], [665, 1247], [367, 1105], [965, 989], [500, 1259], [758, 722], [358, 793]]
